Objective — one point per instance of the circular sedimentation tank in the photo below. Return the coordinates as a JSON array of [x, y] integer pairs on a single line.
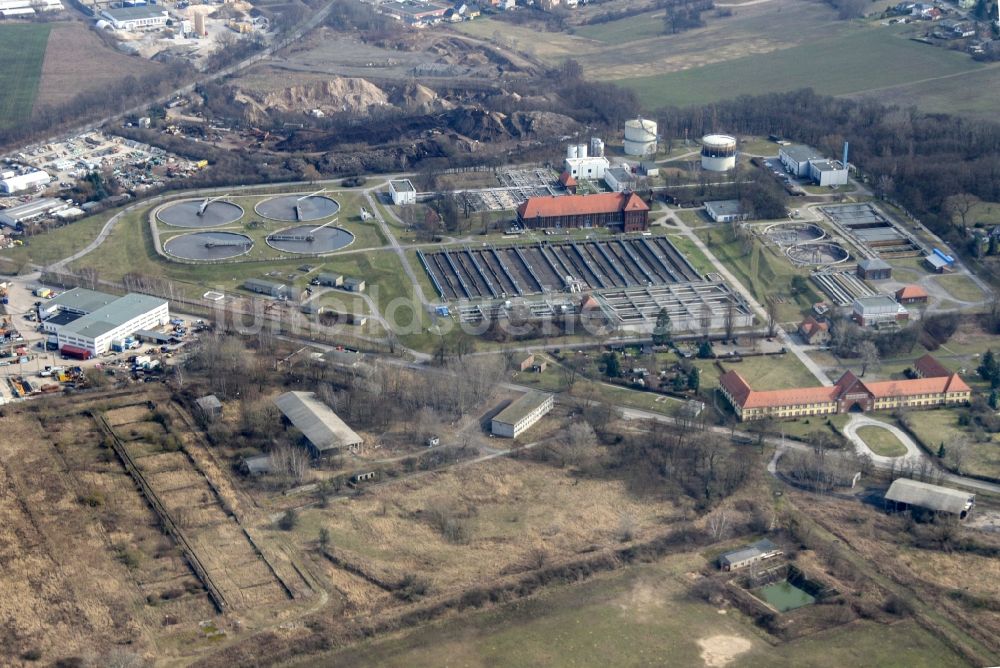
[[194, 213], [817, 253], [310, 239], [640, 137], [208, 246], [718, 153], [296, 208], [789, 234]]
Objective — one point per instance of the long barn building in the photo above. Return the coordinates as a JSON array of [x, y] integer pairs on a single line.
[[622, 212]]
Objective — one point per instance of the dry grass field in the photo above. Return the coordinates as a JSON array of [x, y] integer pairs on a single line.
[[508, 516], [76, 59]]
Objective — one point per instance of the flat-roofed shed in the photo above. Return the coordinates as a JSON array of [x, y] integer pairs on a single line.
[[915, 493]]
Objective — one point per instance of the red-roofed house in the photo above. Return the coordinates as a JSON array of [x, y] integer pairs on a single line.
[[911, 294], [928, 367], [568, 182], [622, 212], [814, 332], [848, 394]]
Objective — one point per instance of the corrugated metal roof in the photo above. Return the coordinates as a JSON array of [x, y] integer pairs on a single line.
[[114, 315], [317, 421], [931, 497]]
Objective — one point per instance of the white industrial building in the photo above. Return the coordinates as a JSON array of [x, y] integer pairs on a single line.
[[806, 162], [725, 211], [718, 153], [85, 320], [136, 18], [26, 181], [878, 310], [619, 179], [25, 213], [828, 173], [402, 192], [579, 165], [521, 414], [640, 137]]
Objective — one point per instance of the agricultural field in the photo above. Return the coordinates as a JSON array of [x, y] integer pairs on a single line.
[[22, 51], [867, 58], [77, 60], [639, 616], [966, 93]]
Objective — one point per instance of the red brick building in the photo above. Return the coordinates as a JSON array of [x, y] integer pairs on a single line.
[[622, 212], [936, 385]]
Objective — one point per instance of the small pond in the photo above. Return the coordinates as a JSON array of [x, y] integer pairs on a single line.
[[784, 596]]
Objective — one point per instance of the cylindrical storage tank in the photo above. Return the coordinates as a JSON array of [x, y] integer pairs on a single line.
[[640, 137], [581, 150], [571, 151], [718, 153], [597, 147]]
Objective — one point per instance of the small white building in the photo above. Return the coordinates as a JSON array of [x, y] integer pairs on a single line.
[[881, 309], [587, 167], [521, 414], [26, 181], [725, 211], [828, 173], [619, 179], [403, 192], [141, 17]]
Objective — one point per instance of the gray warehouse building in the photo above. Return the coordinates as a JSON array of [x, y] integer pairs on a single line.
[[323, 429], [269, 288], [906, 494]]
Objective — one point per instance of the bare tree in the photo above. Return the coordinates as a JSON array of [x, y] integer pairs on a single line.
[[771, 306], [718, 523], [292, 462], [869, 356], [960, 206]]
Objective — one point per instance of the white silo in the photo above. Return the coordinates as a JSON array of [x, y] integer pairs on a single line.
[[718, 153], [640, 137], [581, 150], [571, 151], [597, 147]]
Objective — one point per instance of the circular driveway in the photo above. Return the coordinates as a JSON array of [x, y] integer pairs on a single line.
[[913, 454]]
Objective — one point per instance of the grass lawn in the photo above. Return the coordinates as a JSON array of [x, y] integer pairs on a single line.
[[692, 253], [866, 58], [59, 243], [22, 52], [774, 372], [764, 274], [938, 426], [960, 287], [639, 616], [694, 217], [882, 441], [640, 26]]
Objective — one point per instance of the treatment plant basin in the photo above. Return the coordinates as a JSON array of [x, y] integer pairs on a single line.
[[296, 208], [310, 239], [200, 213], [208, 246]]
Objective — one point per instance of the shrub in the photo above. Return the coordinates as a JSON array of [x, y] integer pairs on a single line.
[[33, 654], [92, 499], [411, 588], [289, 520]]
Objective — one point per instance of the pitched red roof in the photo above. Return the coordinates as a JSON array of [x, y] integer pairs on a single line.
[[908, 388], [740, 391], [811, 325], [911, 292], [928, 367], [580, 205], [746, 397], [567, 179]]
